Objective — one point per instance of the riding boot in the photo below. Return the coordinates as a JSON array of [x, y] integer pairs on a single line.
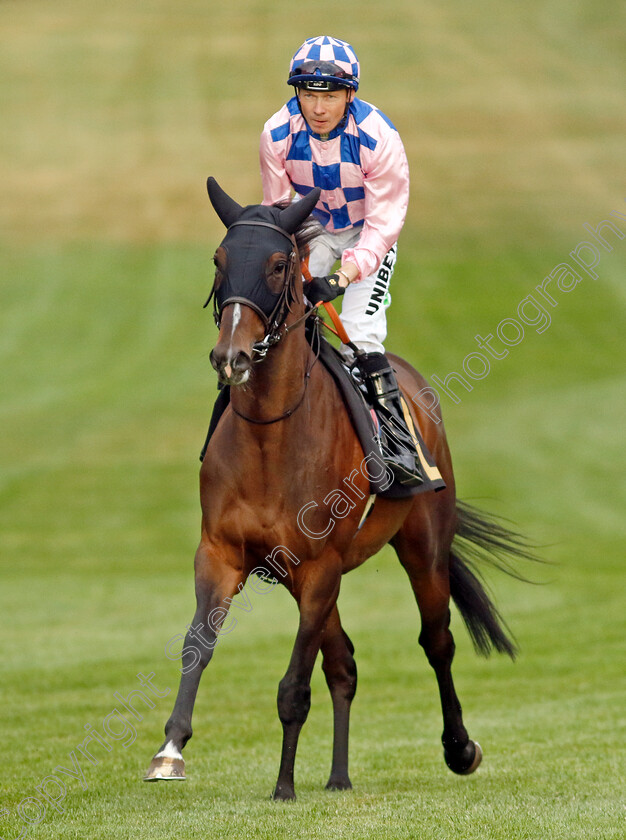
[[397, 444]]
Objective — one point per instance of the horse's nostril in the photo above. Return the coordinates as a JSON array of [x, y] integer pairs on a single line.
[[241, 362], [218, 358], [215, 363]]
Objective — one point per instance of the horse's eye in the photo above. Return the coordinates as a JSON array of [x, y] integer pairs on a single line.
[[275, 275], [218, 274]]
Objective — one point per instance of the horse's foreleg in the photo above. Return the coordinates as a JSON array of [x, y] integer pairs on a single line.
[[215, 582], [340, 670], [431, 586], [316, 597]]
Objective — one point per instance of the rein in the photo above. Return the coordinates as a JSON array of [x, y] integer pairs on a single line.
[[284, 416], [340, 330], [307, 377]]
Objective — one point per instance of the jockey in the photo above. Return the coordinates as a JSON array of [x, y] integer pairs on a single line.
[[325, 137]]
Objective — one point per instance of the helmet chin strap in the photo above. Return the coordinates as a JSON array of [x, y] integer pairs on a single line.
[[344, 119]]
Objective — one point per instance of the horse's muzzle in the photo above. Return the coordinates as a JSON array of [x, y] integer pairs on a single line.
[[240, 329], [231, 369]]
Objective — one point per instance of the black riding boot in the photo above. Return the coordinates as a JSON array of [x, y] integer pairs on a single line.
[[397, 444]]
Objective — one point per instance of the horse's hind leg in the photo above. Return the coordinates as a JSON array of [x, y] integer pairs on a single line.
[[340, 670], [416, 548], [215, 582]]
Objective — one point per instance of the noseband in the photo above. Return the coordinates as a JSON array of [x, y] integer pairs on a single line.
[[274, 322]]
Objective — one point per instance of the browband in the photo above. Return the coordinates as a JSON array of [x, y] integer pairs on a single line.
[[267, 225]]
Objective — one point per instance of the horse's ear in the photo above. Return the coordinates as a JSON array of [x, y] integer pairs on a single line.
[[292, 217], [226, 208]]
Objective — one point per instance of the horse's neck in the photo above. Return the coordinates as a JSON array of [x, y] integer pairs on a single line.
[[277, 384]]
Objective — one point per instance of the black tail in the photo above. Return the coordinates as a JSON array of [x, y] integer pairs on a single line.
[[480, 538]]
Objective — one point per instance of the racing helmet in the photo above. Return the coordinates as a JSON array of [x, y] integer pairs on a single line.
[[324, 63]]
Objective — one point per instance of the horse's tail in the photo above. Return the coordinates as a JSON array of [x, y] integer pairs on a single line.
[[480, 538]]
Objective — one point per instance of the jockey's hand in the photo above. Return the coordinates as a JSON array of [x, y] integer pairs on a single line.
[[323, 288]]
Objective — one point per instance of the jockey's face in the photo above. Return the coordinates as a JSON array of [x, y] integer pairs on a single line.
[[324, 109]]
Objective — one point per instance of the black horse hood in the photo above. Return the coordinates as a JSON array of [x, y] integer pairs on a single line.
[[255, 233]]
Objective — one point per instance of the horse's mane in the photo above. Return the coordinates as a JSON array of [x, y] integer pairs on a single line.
[[308, 231]]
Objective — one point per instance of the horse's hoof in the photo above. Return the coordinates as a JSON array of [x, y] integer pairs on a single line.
[[339, 784], [284, 793], [166, 769], [466, 761]]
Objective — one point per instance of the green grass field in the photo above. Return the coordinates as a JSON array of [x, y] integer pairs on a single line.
[[112, 116]]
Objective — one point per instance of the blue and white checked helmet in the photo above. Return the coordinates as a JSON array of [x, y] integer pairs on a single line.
[[324, 63]]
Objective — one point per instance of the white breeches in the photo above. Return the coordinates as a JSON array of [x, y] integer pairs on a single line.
[[364, 307]]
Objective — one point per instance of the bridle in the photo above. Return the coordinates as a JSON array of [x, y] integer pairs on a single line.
[[273, 323], [275, 328]]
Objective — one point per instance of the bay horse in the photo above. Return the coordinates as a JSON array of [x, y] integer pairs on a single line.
[[283, 445]]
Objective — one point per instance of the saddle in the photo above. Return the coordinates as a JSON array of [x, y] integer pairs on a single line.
[[363, 420], [366, 426]]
